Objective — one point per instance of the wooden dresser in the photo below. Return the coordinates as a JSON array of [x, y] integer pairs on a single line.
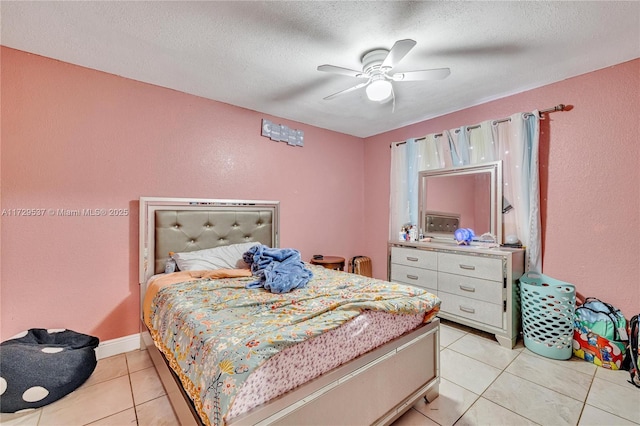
[[477, 286]]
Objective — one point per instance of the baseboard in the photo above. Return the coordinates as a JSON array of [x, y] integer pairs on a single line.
[[118, 346]]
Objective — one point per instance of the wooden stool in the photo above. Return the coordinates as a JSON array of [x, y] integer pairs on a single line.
[[330, 262]]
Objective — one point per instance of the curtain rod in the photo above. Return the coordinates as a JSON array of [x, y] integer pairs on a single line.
[[559, 107]]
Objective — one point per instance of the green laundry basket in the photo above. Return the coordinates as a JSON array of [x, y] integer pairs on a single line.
[[548, 309]]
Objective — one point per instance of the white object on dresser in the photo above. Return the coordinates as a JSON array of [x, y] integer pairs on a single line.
[[477, 286]]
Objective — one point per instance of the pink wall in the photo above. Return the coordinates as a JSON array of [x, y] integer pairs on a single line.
[[74, 138], [482, 204], [590, 180], [454, 195]]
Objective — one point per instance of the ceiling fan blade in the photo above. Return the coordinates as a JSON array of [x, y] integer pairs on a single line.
[[339, 70], [350, 89], [433, 74], [397, 52]]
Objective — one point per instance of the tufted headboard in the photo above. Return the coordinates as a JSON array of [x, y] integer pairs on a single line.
[[182, 225]]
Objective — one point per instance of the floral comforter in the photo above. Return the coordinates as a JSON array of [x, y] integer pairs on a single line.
[[214, 332]]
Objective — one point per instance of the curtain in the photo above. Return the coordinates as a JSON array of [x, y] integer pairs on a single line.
[[482, 145], [399, 195], [413, 161], [529, 217], [519, 143], [515, 142], [431, 153], [505, 154], [459, 147]]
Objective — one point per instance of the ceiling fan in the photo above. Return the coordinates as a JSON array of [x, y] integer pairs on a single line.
[[377, 65]]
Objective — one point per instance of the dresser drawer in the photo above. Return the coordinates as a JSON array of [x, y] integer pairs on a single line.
[[473, 288], [471, 266], [414, 257], [424, 278], [477, 310]]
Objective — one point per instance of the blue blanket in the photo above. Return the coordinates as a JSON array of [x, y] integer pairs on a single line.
[[279, 270]]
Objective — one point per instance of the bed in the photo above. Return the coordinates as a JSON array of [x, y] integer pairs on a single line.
[[375, 387]]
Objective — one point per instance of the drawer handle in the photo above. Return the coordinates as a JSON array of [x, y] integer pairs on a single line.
[[469, 267], [468, 310], [467, 288], [412, 277], [412, 259]]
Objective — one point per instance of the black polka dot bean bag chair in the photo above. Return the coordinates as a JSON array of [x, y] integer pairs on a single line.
[[41, 366]]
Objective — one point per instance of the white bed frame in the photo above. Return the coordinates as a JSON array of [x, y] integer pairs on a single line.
[[375, 388]]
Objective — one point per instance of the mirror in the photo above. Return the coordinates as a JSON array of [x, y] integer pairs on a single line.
[[461, 197]]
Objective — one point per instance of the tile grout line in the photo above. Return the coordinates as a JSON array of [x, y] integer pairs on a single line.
[[483, 362], [521, 352], [135, 411], [130, 389], [504, 370], [479, 396], [584, 403], [552, 390], [39, 416], [448, 347], [606, 410], [593, 378], [488, 386]]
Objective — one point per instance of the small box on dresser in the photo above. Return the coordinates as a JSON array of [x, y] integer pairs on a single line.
[[478, 286]]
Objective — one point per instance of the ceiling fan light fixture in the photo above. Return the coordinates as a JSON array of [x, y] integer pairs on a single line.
[[379, 90], [377, 68]]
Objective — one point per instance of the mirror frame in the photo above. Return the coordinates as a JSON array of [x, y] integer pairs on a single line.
[[493, 168]]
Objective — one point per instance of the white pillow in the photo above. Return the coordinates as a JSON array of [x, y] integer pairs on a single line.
[[223, 257]]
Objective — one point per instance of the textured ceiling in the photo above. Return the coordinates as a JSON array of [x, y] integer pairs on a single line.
[[263, 55]]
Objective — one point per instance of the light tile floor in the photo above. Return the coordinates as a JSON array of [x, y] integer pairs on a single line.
[[482, 383]]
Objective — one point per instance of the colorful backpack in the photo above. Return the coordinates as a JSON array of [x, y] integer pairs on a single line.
[[600, 334], [602, 319], [632, 358]]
